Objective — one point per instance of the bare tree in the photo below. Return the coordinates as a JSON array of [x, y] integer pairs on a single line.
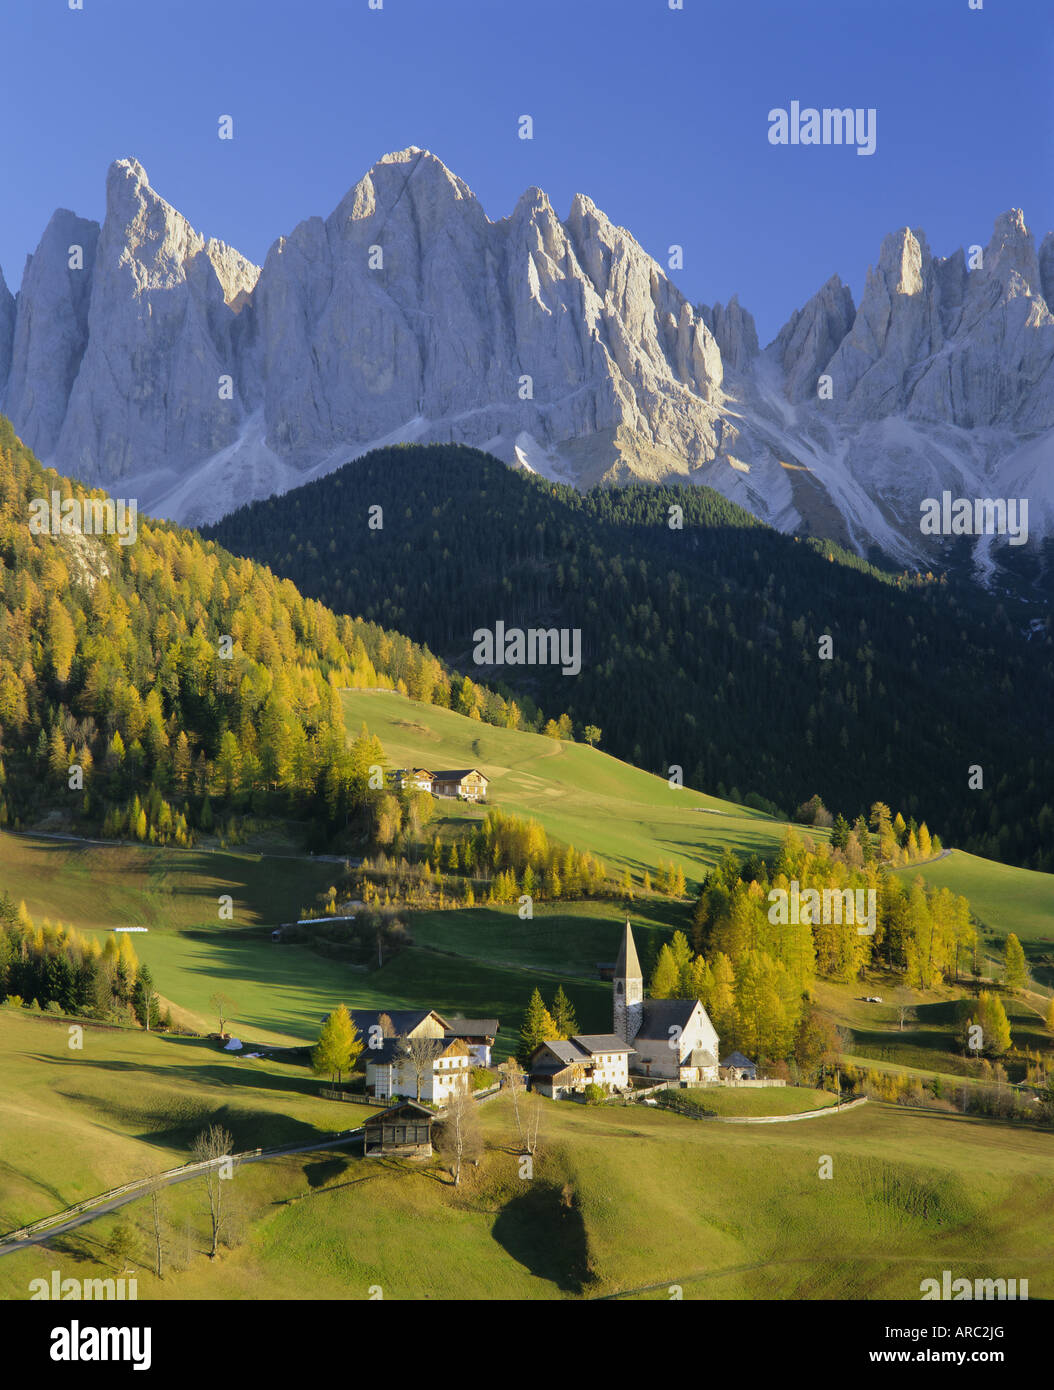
[[421, 1053], [157, 1216], [223, 1006], [526, 1107], [459, 1135], [905, 1014], [212, 1145]]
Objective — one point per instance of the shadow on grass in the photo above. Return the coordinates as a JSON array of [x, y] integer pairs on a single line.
[[543, 1230]]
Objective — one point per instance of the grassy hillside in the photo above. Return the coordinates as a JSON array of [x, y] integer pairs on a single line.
[[128, 1104], [626, 1202], [580, 795], [1005, 899]]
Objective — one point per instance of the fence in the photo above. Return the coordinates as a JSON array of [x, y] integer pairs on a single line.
[[349, 1096], [759, 1082], [142, 1184]]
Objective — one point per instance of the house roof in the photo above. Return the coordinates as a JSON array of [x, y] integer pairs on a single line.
[[406, 1107], [628, 966], [393, 1048], [583, 1047], [567, 1052], [403, 1020], [457, 774], [594, 1043], [550, 1067], [736, 1059], [660, 1015], [472, 1027]]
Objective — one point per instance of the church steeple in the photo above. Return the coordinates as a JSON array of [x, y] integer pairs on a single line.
[[629, 989]]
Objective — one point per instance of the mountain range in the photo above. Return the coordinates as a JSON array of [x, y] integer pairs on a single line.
[[142, 357]]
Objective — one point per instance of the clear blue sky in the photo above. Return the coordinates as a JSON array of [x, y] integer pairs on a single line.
[[660, 116]]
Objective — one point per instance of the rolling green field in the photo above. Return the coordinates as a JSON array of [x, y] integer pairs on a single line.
[[764, 1100], [624, 1202], [127, 1104]]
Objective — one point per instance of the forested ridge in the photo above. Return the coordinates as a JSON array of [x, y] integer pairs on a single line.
[[151, 689], [701, 645]]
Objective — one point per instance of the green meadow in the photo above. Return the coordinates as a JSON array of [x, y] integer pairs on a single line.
[[622, 1202], [126, 1104]]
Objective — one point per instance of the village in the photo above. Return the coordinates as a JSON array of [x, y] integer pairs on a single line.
[[422, 1061]]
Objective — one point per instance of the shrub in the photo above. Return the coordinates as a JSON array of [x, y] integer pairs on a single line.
[[482, 1078], [594, 1094]]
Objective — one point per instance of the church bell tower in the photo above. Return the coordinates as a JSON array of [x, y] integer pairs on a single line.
[[629, 990]]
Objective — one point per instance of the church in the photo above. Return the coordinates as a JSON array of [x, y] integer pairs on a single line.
[[673, 1038]]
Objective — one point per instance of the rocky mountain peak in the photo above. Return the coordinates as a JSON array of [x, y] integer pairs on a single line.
[[163, 358], [1012, 252]]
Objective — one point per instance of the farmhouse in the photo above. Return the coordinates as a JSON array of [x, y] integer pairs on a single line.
[[671, 1037], [375, 1025], [465, 783], [559, 1067], [416, 778], [478, 1033], [413, 1052], [431, 1069], [404, 1130]]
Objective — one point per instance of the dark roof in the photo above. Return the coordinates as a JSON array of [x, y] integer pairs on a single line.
[[403, 1020], [736, 1059], [551, 1068], [391, 1048], [568, 1052], [406, 1107], [660, 1015], [471, 1027], [602, 1042], [581, 1048], [456, 774], [627, 966]]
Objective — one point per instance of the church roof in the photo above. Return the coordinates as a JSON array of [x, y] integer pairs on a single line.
[[660, 1015], [628, 966]]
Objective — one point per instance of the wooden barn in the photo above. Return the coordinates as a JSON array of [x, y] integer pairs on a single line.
[[402, 1131]]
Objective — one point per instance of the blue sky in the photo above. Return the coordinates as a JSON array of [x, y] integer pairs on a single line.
[[660, 116]]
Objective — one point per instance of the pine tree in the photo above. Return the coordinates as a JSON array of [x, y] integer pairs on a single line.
[[563, 1015], [995, 1027], [1015, 967], [338, 1046], [665, 978], [538, 1027]]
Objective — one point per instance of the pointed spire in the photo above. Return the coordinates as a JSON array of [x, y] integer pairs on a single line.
[[628, 967]]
